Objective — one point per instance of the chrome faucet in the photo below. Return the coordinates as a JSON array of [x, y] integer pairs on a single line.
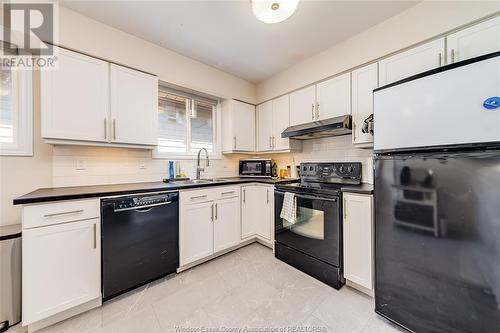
[[198, 168]]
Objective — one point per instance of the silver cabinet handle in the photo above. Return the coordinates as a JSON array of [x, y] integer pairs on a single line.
[[267, 196], [216, 211], [229, 192], [105, 128], [270, 142], [244, 196], [317, 111], [114, 129], [345, 210], [439, 59], [452, 56], [95, 236], [312, 111], [199, 197], [234, 142], [273, 142], [212, 216], [64, 213], [354, 131]]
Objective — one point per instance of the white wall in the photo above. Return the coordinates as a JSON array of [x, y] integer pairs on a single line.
[[89, 36], [423, 21]]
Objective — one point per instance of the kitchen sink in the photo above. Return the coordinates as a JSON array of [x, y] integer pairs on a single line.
[[199, 181]]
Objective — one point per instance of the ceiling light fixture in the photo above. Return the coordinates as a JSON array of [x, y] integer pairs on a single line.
[[273, 11]]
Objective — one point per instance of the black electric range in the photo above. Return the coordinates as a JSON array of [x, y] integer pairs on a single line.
[[313, 242]]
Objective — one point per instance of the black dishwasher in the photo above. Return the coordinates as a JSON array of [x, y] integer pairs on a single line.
[[140, 240]]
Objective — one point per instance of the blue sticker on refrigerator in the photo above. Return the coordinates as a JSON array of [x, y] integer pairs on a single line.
[[492, 103]]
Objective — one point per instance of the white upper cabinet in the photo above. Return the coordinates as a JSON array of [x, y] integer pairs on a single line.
[[281, 121], [303, 105], [358, 239], [89, 101], [364, 81], [479, 39], [265, 126], [333, 97], [75, 98], [134, 106], [413, 61], [238, 126]]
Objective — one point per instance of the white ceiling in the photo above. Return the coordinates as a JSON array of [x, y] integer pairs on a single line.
[[226, 35]]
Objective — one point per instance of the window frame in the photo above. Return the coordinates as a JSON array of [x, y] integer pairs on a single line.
[[216, 132], [23, 115]]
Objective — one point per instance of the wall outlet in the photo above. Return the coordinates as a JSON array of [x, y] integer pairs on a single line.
[[142, 165], [80, 164]]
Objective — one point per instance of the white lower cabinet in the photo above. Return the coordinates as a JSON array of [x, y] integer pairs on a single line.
[[209, 222], [226, 226], [358, 239], [61, 264], [257, 212]]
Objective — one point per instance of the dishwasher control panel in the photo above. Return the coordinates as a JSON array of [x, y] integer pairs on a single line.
[[143, 201]]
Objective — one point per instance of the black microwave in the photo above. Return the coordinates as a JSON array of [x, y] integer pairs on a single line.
[[256, 168]]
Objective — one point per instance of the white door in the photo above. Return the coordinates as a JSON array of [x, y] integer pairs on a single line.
[[482, 38], [333, 97], [364, 80], [61, 268], [265, 126], [196, 232], [75, 98], [303, 105], [244, 126], [281, 121], [358, 239], [248, 212], [410, 62], [134, 106], [264, 196], [227, 222]]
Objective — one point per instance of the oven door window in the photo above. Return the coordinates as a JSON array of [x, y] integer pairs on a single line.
[[317, 229]]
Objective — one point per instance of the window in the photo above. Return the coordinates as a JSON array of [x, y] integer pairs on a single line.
[[186, 124], [16, 137]]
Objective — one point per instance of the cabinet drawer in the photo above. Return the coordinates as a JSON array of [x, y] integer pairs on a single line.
[[227, 192], [196, 196], [60, 212]]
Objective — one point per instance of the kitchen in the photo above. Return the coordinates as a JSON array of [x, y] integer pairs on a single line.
[[295, 140]]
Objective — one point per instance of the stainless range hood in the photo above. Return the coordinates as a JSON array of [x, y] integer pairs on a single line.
[[319, 129]]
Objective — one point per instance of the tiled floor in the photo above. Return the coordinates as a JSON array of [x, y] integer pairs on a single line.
[[245, 288]]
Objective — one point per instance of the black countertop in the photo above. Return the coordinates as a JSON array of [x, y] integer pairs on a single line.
[[95, 191], [360, 189]]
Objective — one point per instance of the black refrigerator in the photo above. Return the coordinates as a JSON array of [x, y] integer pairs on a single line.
[[437, 200]]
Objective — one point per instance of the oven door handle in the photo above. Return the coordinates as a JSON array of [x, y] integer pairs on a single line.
[[309, 196]]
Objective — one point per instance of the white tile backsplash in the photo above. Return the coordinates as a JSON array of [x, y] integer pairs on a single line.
[[105, 165]]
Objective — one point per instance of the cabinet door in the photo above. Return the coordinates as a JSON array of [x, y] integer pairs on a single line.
[[482, 38], [248, 212], [364, 80], [244, 126], [75, 98], [264, 195], [303, 105], [358, 239], [227, 223], [134, 106], [196, 232], [61, 268], [265, 126], [256, 211], [334, 97], [413, 61], [281, 121]]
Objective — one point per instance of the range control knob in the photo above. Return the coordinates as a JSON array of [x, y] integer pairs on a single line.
[[350, 169], [341, 168]]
